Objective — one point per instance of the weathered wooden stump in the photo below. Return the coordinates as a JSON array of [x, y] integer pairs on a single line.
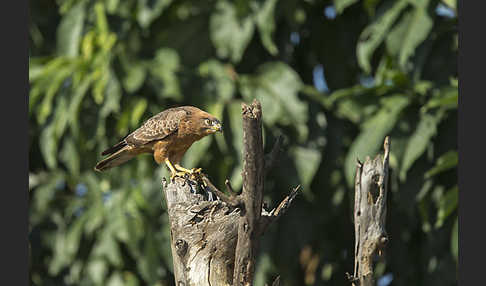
[[370, 215], [203, 235]]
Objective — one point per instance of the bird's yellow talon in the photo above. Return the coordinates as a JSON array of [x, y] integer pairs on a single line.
[[191, 171], [178, 174]]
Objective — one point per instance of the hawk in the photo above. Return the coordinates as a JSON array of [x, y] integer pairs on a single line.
[[167, 136]]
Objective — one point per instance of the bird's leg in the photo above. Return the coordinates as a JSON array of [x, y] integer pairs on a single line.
[[173, 171], [191, 171]]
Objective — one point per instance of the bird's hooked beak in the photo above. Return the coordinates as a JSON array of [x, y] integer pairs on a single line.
[[217, 127]]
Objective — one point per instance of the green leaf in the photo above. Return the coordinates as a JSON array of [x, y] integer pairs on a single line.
[[98, 88], [446, 98], [343, 4], [276, 86], [48, 146], [307, 161], [281, 81], [454, 82], [395, 39], [115, 280], [53, 88], [73, 238], [422, 87], [373, 132], [447, 204], [370, 6], [418, 142], [148, 11], [423, 210], [236, 124], [97, 270], [266, 25], [59, 258], [135, 77], [101, 21], [96, 215], [69, 156], [107, 247], [197, 151], [66, 245], [264, 267], [445, 162], [45, 194], [455, 239], [451, 3], [112, 98], [148, 266], [374, 34], [70, 30], [217, 109], [164, 68], [417, 31], [36, 68], [137, 111], [220, 77], [123, 124], [229, 33], [61, 117], [112, 5], [412, 29], [353, 103], [250, 87], [74, 105], [50, 68]]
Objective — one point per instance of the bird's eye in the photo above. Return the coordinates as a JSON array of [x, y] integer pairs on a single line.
[[207, 122]]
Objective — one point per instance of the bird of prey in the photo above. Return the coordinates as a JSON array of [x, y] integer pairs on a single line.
[[167, 136]]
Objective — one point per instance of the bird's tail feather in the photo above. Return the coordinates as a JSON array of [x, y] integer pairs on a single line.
[[114, 148], [115, 159]]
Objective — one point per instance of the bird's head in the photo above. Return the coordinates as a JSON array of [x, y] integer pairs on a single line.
[[206, 123], [211, 124], [201, 123]]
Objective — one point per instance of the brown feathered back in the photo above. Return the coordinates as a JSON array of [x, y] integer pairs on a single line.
[[178, 121]]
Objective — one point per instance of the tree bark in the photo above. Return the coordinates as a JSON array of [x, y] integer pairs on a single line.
[[203, 235], [251, 196], [370, 215]]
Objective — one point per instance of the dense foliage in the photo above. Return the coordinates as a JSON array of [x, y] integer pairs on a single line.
[[334, 78]]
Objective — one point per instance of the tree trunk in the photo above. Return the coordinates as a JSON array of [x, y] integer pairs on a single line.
[[253, 179], [203, 236], [370, 215]]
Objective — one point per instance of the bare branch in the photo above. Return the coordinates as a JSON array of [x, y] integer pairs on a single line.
[[252, 194], [227, 183], [276, 282], [272, 216], [231, 200]]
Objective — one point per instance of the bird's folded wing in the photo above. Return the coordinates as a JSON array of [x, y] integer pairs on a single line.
[[157, 128]]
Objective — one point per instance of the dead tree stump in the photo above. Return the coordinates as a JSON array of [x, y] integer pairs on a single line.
[[214, 236], [370, 215], [203, 236]]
